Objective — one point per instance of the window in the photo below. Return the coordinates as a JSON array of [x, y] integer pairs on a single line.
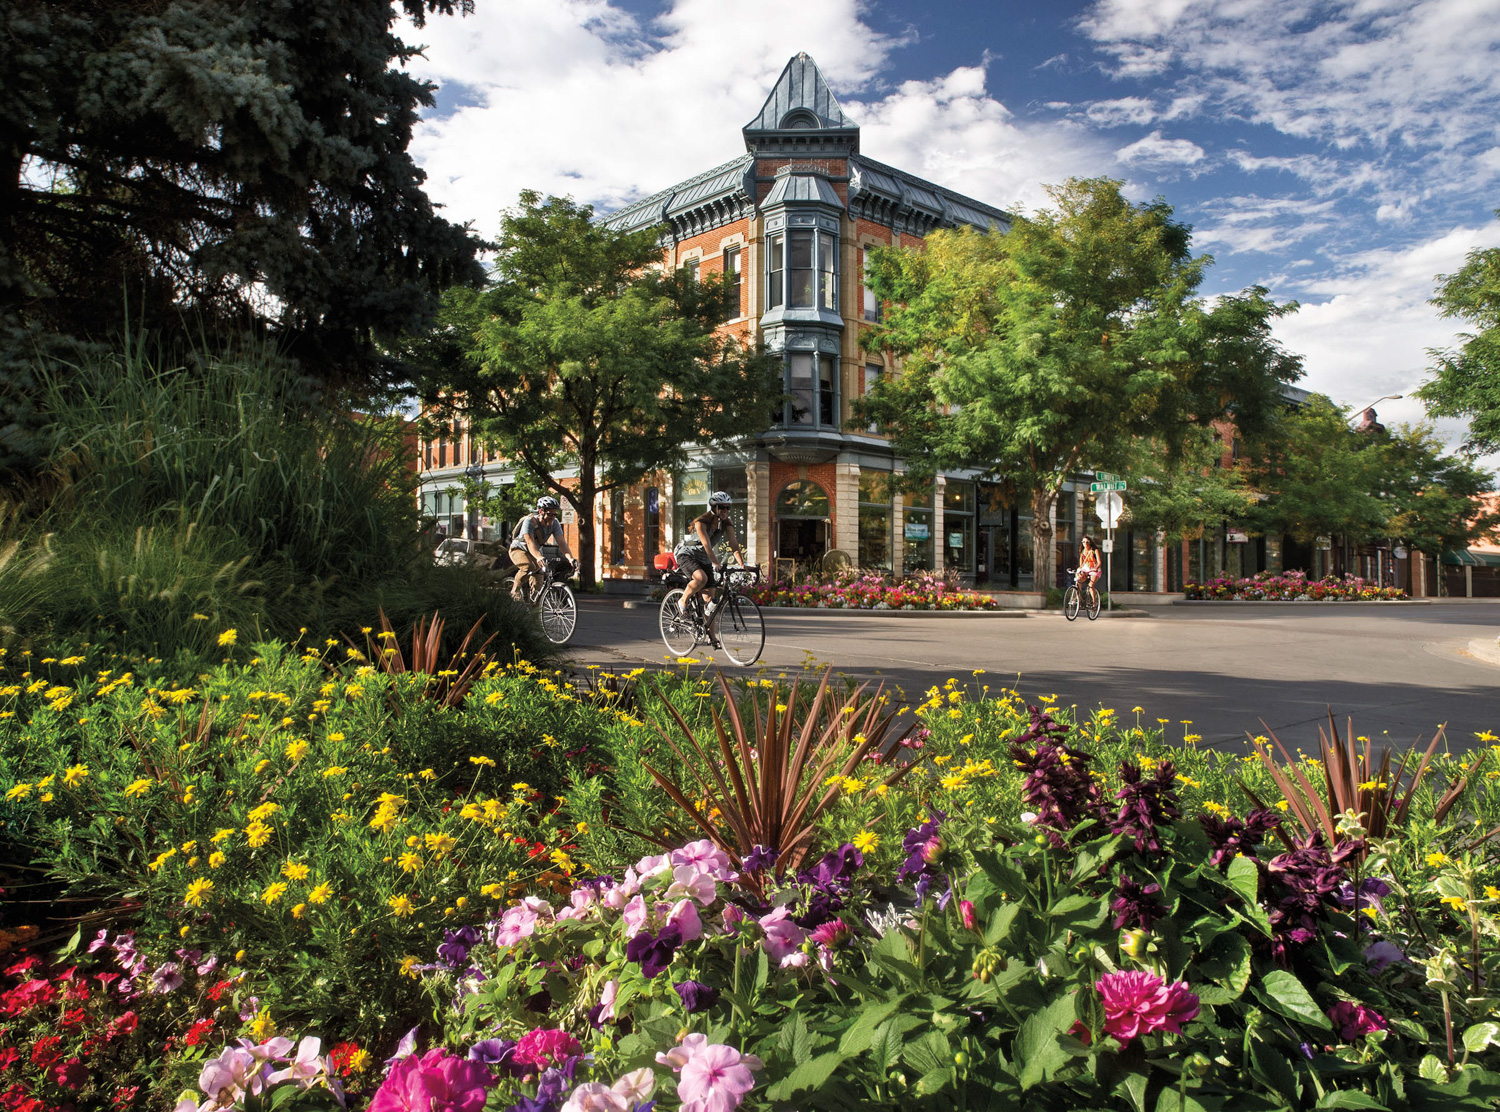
[[732, 265], [874, 519], [872, 303], [917, 533], [691, 266], [812, 381], [873, 372], [958, 526], [617, 526], [805, 274], [653, 526], [775, 268]]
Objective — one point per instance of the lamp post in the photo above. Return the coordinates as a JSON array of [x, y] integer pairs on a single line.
[[1377, 401], [1376, 427], [475, 474]]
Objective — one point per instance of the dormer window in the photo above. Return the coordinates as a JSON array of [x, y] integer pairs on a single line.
[[799, 117]]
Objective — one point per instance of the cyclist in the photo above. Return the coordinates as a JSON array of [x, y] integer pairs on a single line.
[[695, 555], [533, 531], [1088, 565]]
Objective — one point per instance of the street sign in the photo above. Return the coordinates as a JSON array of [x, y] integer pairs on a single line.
[[1108, 505], [1105, 476], [1114, 484], [1107, 545]]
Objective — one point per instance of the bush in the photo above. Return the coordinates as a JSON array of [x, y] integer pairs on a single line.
[[1292, 586]]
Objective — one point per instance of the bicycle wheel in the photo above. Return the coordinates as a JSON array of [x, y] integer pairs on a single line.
[[1093, 603], [1070, 602], [559, 613], [741, 630], [677, 629]]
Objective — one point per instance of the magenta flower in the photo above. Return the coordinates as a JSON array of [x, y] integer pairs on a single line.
[[435, 1082], [545, 1047], [1140, 1003], [1355, 1021]]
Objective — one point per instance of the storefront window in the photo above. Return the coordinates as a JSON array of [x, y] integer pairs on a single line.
[[1142, 560], [691, 499], [874, 520], [917, 533], [958, 527], [735, 482]]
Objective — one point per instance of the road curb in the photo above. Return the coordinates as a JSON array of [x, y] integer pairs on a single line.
[[1300, 602]]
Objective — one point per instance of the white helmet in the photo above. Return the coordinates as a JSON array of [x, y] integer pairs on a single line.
[[719, 498], [546, 502]]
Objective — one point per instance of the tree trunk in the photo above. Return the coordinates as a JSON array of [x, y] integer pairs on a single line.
[[1043, 553], [584, 507]]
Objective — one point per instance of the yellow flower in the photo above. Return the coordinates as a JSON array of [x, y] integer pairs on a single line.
[[227, 637], [439, 843], [865, 841], [264, 1026], [359, 1061], [427, 774], [1436, 860], [296, 750], [485, 761], [953, 783], [1456, 903], [409, 862], [257, 834], [20, 791], [400, 905], [294, 870], [1491, 892], [264, 811], [197, 890], [852, 785], [262, 765], [297, 910], [139, 787], [407, 965], [493, 891], [163, 858], [320, 894], [215, 859], [222, 833], [273, 892], [75, 775]]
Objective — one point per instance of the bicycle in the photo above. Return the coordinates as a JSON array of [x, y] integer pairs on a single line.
[[548, 593], [731, 622], [1073, 598]]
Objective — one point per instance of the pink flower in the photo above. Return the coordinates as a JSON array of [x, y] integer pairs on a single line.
[[1355, 1021], [966, 912], [689, 880], [704, 856], [520, 921], [716, 1079], [581, 901], [637, 917], [1140, 1003], [607, 1001], [544, 1047], [436, 1082], [783, 937], [684, 916]]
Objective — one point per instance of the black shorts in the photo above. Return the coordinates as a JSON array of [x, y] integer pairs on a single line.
[[694, 559]]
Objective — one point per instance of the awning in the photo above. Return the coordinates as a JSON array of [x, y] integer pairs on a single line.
[[1471, 558]]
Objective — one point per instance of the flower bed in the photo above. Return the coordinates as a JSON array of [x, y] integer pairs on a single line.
[[1292, 586], [869, 591]]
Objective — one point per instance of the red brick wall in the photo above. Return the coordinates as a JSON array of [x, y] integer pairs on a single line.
[[824, 474]]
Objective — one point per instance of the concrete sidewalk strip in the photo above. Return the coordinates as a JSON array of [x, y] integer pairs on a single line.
[[1302, 602]]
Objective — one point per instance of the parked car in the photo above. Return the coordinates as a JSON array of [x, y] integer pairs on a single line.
[[452, 552], [460, 551]]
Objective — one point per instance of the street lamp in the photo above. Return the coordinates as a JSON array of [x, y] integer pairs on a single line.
[[1377, 401], [475, 474]]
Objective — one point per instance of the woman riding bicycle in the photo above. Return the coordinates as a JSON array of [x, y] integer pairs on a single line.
[[1088, 565], [695, 555]]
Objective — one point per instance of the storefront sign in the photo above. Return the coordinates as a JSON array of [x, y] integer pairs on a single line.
[[1325, 543], [1237, 538], [916, 531], [955, 540]]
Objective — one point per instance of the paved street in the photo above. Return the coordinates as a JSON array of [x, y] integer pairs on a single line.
[[1401, 670]]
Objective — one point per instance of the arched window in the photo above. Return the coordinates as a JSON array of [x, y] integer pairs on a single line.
[[802, 498]]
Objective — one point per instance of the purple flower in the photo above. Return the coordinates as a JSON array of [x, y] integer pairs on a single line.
[[456, 945], [759, 859], [833, 934], [696, 996], [654, 953], [1058, 785], [166, 977], [1231, 837], [1136, 906], [493, 1052], [1301, 883], [835, 870], [1355, 1021], [1381, 954], [1144, 804]]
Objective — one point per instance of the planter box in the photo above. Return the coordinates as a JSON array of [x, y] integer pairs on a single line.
[[1017, 600]]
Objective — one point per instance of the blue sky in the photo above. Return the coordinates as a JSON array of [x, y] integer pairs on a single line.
[[1342, 154]]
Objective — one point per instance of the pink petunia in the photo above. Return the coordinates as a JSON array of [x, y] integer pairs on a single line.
[[783, 937], [545, 1047], [684, 916], [435, 1082], [716, 1079], [520, 921]]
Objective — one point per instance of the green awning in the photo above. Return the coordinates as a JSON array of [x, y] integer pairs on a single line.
[[1471, 558]]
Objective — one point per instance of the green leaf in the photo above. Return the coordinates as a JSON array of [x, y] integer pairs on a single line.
[[795, 1042], [935, 1081], [810, 1074], [861, 1032], [1243, 876], [1228, 963], [1432, 1068], [1350, 1098], [1481, 1035], [932, 1052], [885, 1047], [1273, 1070], [1283, 993], [1000, 924], [1037, 1050], [1133, 1086], [1173, 1100]]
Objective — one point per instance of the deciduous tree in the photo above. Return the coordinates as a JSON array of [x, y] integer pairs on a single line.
[[1467, 382], [1056, 344], [583, 355]]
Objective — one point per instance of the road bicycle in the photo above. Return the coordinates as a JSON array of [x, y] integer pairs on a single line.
[[548, 593], [1073, 598], [731, 622]]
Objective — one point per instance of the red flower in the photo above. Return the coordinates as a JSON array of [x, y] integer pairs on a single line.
[[73, 1019], [218, 990], [125, 1096], [26, 996], [9, 1056], [197, 1031], [31, 961], [72, 1074], [122, 1026], [46, 1051], [340, 1056]]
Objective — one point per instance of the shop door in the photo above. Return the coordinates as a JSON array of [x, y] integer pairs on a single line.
[[801, 539]]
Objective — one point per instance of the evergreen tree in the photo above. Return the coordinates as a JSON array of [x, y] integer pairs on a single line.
[[244, 164], [582, 355]]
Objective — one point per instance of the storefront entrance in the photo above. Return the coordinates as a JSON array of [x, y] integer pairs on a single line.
[[802, 513]]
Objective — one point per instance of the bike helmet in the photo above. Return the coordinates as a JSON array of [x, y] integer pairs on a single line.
[[546, 503], [719, 498]]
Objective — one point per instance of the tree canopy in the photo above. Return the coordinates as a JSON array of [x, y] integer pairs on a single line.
[[583, 355], [1180, 490], [1467, 382], [241, 165], [1032, 352]]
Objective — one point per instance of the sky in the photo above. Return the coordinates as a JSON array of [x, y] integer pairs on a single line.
[[1341, 153]]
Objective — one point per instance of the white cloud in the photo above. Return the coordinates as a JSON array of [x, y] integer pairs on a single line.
[[1263, 224], [1161, 153], [1121, 112], [1365, 330]]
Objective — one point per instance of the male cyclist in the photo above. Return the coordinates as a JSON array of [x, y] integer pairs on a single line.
[[533, 531], [695, 555]]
